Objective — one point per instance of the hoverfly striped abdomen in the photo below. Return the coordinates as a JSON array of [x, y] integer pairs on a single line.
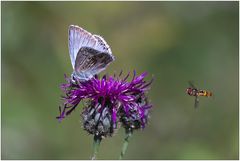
[[204, 93]]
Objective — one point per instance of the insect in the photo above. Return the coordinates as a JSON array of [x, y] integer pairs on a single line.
[[193, 91], [90, 54]]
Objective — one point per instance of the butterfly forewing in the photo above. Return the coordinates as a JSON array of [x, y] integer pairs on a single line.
[[78, 38]]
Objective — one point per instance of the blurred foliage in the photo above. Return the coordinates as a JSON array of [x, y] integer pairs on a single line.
[[174, 41]]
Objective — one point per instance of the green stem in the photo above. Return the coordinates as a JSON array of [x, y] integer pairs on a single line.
[[125, 144], [96, 144]]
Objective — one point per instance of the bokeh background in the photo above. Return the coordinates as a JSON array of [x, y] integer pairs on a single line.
[[174, 41]]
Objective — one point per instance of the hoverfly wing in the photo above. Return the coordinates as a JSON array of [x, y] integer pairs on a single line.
[[90, 62], [79, 38], [196, 102], [191, 84]]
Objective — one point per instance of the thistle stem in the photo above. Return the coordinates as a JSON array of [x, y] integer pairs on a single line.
[[125, 144], [96, 144]]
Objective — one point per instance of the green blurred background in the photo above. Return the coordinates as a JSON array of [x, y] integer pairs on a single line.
[[174, 41]]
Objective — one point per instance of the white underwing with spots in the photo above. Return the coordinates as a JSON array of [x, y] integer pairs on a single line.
[[90, 54]]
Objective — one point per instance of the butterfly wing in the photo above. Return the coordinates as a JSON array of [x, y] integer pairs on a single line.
[[90, 62], [78, 38], [102, 45], [90, 54]]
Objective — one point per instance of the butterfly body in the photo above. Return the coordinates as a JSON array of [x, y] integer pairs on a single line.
[[90, 54]]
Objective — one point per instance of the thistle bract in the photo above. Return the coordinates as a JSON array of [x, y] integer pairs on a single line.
[[96, 121]]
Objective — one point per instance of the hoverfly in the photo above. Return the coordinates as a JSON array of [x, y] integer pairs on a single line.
[[193, 91]]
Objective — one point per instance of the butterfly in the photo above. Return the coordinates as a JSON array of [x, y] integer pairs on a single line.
[[90, 54]]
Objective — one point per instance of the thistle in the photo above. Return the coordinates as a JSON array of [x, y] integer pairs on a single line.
[[136, 119], [110, 101]]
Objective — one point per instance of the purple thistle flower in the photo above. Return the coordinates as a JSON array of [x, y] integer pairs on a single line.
[[110, 100], [137, 116]]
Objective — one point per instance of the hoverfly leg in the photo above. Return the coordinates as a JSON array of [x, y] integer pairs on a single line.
[[196, 102]]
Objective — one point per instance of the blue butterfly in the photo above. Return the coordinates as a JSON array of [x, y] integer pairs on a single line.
[[90, 54]]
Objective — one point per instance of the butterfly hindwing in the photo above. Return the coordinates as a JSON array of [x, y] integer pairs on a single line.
[[90, 62]]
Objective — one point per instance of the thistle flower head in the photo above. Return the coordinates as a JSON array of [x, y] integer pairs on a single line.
[[137, 116], [110, 99]]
